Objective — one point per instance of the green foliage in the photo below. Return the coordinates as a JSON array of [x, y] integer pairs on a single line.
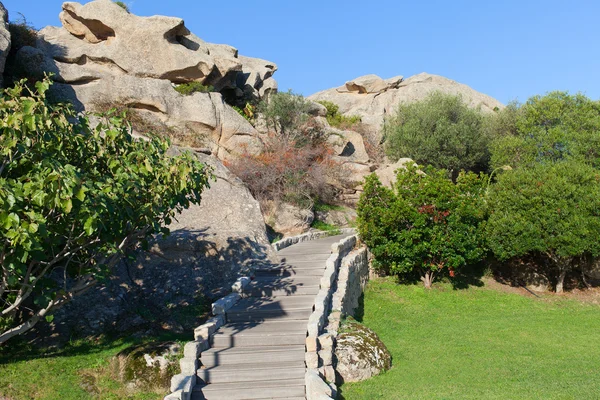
[[324, 226], [549, 128], [247, 112], [428, 224], [73, 198], [189, 88], [551, 210], [479, 343], [441, 131], [335, 119], [285, 113], [122, 5]]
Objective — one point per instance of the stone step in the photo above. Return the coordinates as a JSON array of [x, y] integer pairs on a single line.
[[291, 389], [275, 302], [268, 315], [287, 282], [291, 271], [252, 373], [242, 339], [258, 290], [272, 326], [252, 355]]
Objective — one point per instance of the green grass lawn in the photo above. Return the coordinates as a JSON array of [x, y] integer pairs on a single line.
[[480, 343], [76, 372]]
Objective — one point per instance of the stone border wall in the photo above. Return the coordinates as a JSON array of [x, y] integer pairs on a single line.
[[183, 383], [314, 235], [320, 342], [347, 287]]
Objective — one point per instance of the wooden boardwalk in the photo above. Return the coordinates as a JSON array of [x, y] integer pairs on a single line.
[[259, 353]]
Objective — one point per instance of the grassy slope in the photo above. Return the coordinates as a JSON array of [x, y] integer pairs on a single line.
[[480, 343], [65, 374]]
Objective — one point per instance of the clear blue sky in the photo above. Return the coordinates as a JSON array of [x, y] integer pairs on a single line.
[[505, 48]]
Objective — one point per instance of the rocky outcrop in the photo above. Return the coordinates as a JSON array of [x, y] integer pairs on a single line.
[[103, 55], [372, 98], [209, 247], [289, 219], [360, 354], [4, 40]]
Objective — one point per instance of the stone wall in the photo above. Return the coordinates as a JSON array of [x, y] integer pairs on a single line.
[[352, 279], [342, 285]]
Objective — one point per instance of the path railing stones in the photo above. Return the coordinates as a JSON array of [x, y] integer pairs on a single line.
[[183, 383], [320, 374], [343, 283]]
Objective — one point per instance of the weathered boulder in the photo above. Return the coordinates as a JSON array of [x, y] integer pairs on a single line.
[[289, 219], [373, 98], [104, 57], [166, 287], [147, 366], [360, 354], [341, 217], [4, 40]]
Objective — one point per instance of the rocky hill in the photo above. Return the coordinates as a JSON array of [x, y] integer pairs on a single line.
[[372, 98], [103, 57]]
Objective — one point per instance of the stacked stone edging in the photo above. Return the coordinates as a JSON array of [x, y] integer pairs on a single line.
[[319, 342], [314, 235], [183, 383], [345, 291]]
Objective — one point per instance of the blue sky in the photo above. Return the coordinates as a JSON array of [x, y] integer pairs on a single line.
[[508, 49]]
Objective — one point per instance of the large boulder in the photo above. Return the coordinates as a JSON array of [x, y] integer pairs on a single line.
[[373, 98], [4, 40], [168, 286], [288, 219], [105, 56], [387, 173], [360, 354]]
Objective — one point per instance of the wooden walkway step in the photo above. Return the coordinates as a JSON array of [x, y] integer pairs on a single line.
[[259, 353]]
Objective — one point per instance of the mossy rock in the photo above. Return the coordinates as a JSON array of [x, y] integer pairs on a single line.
[[149, 365], [359, 353]]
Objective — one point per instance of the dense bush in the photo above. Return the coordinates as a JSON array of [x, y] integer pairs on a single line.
[[287, 114], [73, 198], [337, 120], [441, 131], [550, 212], [428, 224], [300, 175], [549, 128], [193, 87]]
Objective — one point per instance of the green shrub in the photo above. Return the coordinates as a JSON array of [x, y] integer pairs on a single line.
[[337, 120], [441, 131], [428, 224], [74, 198], [189, 88], [286, 114], [324, 226], [247, 112], [555, 127], [122, 5], [550, 212]]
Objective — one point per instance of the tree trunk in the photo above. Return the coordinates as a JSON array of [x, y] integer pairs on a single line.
[[560, 281], [427, 279]]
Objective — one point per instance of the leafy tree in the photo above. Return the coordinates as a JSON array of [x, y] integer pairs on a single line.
[[285, 113], [441, 131], [549, 210], [427, 223], [554, 127], [73, 198]]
